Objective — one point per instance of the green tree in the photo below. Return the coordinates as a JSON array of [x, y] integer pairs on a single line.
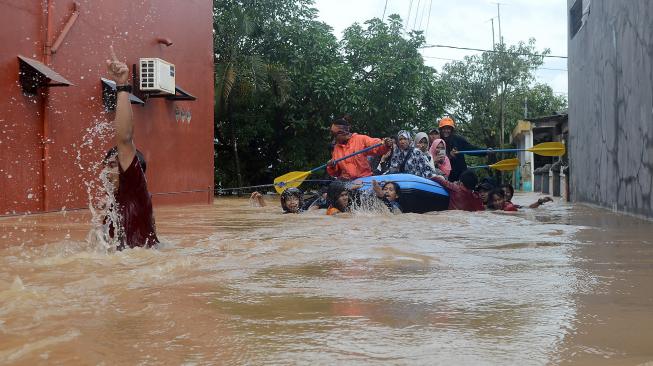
[[282, 76], [390, 87], [490, 88], [241, 75]]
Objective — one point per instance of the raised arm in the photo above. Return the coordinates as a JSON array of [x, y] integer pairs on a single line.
[[124, 121]]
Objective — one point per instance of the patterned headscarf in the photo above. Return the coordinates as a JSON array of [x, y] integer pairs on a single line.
[[407, 135]]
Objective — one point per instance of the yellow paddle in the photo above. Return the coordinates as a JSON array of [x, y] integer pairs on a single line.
[[295, 179], [506, 165], [543, 149]]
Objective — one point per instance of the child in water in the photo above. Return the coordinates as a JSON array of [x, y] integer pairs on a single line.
[[388, 192], [497, 201], [484, 190], [509, 191], [292, 200], [338, 198]]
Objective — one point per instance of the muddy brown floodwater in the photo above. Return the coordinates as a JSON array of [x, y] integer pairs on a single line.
[[235, 284]]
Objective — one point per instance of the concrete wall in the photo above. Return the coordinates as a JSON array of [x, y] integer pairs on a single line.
[[179, 153], [611, 106]]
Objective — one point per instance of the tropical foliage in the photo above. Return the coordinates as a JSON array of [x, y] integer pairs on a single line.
[[282, 76]]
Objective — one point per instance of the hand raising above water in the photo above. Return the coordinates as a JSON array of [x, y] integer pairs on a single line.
[[118, 71]]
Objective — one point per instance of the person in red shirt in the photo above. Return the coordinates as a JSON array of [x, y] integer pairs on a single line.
[[347, 143], [131, 219], [461, 192], [509, 192], [497, 201]]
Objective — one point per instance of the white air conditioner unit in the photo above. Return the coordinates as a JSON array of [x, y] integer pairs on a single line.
[[157, 75]]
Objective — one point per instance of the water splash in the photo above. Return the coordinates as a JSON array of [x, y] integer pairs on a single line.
[[99, 189]]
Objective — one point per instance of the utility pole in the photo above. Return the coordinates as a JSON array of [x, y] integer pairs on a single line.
[[525, 107], [493, 42], [499, 17], [501, 98], [384, 8]]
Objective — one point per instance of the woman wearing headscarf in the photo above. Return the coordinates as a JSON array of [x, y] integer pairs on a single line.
[[410, 160], [438, 152], [422, 144]]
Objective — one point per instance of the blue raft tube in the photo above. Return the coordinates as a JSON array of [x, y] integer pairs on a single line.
[[416, 194]]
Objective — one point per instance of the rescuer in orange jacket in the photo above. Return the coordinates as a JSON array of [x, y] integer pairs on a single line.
[[347, 143]]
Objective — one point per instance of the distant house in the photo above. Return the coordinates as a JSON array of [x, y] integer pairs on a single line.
[[611, 103], [541, 173], [53, 100]]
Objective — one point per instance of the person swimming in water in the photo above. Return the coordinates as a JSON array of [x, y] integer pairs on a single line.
[[497, 201], [509, 192], [292, 200]]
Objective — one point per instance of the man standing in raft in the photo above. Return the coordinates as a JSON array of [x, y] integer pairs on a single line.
[[126, 171], [455, 143], [347, 143]]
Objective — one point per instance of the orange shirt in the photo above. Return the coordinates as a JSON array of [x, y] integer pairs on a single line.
[[356, 166], [332, 211]]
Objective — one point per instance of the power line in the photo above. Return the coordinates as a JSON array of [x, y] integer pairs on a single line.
[[421, 19], [416, 14], [428, 20], [454, 59], [482, 50], [410, 9]]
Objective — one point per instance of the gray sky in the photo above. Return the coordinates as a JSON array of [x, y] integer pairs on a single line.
[[466, 23]]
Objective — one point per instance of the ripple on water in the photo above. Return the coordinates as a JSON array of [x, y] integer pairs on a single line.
[[238, 284]]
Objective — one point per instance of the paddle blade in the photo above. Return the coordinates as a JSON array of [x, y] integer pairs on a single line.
[[288, 180], [549, 149], [506, 165]]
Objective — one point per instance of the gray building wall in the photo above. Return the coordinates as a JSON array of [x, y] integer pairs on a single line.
[[611, 106]]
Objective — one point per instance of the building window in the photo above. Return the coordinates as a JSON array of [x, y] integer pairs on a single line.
[[575, 18]]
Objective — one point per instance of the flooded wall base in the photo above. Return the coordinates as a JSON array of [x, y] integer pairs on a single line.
[[611, 106]]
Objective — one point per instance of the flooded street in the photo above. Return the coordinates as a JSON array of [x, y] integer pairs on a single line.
[[235, 284]]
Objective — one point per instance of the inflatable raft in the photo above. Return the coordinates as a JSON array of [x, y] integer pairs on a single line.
[[416, 194]]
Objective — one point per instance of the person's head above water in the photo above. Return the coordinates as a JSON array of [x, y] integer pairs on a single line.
[[446, 126], [338, 196], [508, 191], [391, 191], [111, 165], [468, 179], [292, 200], [484, 190], [496, 199], [404, 139], [341, 129]]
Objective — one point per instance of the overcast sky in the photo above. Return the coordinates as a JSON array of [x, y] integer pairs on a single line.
[[466, 23]]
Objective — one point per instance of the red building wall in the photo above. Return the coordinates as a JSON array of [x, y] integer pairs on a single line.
[[179, 154]]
